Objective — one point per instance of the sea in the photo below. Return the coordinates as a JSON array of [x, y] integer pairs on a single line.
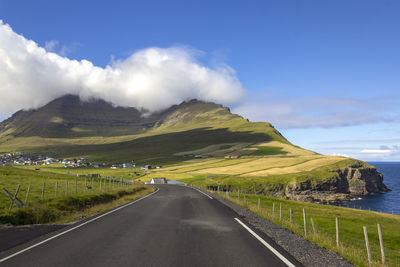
[[387, 202]]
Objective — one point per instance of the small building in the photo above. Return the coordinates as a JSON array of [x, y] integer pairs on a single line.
[[232, 156], [160, 180]]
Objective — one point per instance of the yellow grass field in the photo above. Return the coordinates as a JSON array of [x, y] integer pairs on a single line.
[[306, 166], [296, 160]]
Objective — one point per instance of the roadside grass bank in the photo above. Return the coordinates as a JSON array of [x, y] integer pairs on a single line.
[[37, 197], [352, 244], [69, 208]]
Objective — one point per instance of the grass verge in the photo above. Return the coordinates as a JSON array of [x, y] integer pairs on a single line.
[[69, 208], [351, 221]]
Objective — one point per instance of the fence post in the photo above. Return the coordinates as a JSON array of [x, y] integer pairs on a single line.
[[337, 233], [100, 182], [85, 184], [43, 189], [56, 188], [313, 226], [76, 184], [273, 208], [290, 215], [304, 222], [15, 196], [367, 246], [258, 203], [66, 188], [280, 211], [27, 194], [381, 245]]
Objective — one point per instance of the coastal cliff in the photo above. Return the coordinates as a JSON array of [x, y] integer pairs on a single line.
[[356, 180]]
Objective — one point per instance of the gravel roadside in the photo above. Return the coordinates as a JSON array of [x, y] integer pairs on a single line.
[[306, 252]]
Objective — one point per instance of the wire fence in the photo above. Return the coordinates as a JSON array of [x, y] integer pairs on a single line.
[[356, 237]]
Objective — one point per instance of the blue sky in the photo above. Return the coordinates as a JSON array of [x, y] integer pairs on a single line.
[[325, 73]]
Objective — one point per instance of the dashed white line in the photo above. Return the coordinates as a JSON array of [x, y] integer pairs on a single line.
[[279, 255], [73, 228], [201, 192]]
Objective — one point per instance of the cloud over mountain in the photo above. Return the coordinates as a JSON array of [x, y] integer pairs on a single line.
[[152, 78]]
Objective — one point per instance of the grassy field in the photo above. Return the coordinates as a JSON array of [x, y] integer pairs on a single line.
[[55, 196], [351, 221]]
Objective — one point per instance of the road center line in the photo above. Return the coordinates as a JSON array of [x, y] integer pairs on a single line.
[[73, 228], [279, 255], [201, 192]]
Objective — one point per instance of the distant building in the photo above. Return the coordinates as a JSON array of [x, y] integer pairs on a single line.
[[128, 165], [160, 180], [232, 156]]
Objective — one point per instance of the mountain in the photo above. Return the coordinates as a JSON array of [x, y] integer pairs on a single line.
[[95, 129], [69, 117], [68, 127]]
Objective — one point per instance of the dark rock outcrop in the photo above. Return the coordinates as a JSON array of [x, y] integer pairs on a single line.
[[353, 181]]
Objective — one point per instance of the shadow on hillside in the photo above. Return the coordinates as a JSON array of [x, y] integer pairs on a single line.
[[157, 148]]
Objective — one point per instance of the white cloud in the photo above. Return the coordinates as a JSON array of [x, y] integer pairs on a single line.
[[376, 151], [325, 112], [50, 45], [152, 78]]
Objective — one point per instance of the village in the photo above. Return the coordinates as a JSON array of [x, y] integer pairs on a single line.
[[18, 158]]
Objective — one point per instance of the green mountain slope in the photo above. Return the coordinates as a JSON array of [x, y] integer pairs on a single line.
[[195, 136], [67, 127]]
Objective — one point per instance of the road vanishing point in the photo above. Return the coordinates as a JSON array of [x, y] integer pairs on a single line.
[[174, 226]]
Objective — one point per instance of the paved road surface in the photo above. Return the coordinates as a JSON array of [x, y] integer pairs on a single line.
[[176, 226]]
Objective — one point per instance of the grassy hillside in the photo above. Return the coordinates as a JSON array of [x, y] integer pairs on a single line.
[[69, 128], [177, 136]]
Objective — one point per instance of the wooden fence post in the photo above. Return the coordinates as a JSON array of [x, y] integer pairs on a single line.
[[27, 194], [305, 222], [280, 211], [273, 208], [76, 184], [56, 188], [381, 245], [337, 233], [313, 226], [291, 215], [367, 246], [258, 203], [15, 196], [85, 184], [43, 189]]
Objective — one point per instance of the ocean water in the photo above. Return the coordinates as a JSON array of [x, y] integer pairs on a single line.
[[388, 202]]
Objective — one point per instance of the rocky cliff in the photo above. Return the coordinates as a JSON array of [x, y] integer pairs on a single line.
[[356, 180]]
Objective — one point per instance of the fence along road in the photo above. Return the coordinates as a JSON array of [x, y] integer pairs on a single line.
[[177, 226]]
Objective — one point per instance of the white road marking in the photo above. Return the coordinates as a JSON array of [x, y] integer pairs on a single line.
[[73, 228], [279, 255], [201, 192]]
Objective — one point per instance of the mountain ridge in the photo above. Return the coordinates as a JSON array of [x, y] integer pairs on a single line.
[[68, 116]]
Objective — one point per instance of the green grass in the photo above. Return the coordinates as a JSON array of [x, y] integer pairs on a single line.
[[268, 150], [351, 221], [272, 184], [61, 197]]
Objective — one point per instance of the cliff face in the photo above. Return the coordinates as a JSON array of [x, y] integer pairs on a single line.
[[353, 181]]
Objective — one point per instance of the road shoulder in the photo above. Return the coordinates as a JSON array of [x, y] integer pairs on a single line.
[[304, 251]]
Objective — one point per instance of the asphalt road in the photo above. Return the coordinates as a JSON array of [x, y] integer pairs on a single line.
[[176, 226]]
